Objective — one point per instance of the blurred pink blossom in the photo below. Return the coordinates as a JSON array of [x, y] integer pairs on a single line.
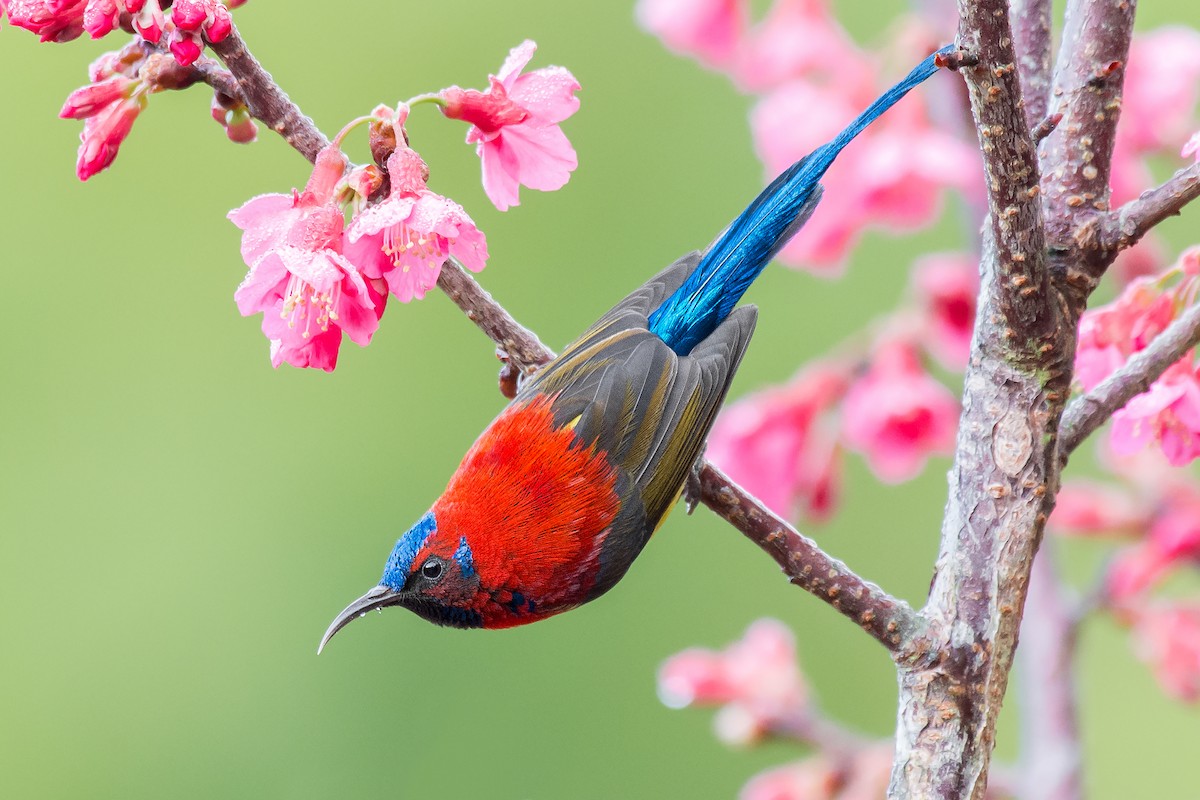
[[756, 679], [1191, 148], [1167, 636], [801, 38], [406, 238], [1162, 85], [515, 125], [1086, 508], [773, 443], [814, 778], [897, 415], [947, 285], [708, 30]]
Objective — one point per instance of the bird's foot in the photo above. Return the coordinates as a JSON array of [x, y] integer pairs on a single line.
[[692, 488]]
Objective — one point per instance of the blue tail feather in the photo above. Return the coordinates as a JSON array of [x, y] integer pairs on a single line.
[[745, 248]]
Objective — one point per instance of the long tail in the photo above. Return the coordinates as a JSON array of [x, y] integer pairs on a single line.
[[742, 252]]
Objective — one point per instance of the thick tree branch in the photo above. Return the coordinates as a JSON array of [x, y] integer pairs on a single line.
[[1089, 412], [889, 620], [1122, 228], [1005, 470]]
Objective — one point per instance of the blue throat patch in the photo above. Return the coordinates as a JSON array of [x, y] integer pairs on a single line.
[[465, 559], [399, 563]]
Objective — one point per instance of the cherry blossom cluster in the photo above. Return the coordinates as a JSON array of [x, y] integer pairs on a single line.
[[760, 693], [810, 78], [314, 277]]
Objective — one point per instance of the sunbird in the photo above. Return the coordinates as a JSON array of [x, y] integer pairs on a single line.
[[561, 491]]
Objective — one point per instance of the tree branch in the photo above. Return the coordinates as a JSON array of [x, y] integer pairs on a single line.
[[1030, 20], [1084, 415], [890, 621], [1121, 229], [266, 101], [1077, 157], [1051, 753]]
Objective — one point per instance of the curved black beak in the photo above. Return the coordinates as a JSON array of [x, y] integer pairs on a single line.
[[378, 597]]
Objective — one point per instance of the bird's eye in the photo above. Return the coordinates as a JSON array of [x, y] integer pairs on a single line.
[[432, 569]]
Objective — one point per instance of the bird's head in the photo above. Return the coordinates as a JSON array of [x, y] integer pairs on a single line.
[[430, 573]]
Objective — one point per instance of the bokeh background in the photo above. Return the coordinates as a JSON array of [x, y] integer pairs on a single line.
[[179, 522]]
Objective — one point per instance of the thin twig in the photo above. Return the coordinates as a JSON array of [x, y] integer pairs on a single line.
[[266, 101], [1085, 415]]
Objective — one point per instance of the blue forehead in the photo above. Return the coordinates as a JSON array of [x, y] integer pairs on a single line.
[[399, 563]]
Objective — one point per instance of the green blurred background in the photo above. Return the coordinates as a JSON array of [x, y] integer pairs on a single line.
[[180, 522]]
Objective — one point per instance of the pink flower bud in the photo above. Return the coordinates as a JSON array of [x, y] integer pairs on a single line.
[[101, 17], [102, 135], [148, 18], [185, 46], [87, 101], [240, 126], [1191, 148]]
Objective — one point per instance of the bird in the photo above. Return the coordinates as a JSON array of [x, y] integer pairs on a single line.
[[560, 493]]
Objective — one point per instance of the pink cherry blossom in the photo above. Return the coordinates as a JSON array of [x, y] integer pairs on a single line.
[[780, 444], [406, 238], [814, 778], [1167, 636], [308, 292], [709, 30], [947, 285], [891, 177], [52, 20], [897, 416], [515, 126], [1167, 414], [103, 134]]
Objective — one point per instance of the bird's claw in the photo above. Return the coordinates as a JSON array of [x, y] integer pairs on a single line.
[[692, 488]]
